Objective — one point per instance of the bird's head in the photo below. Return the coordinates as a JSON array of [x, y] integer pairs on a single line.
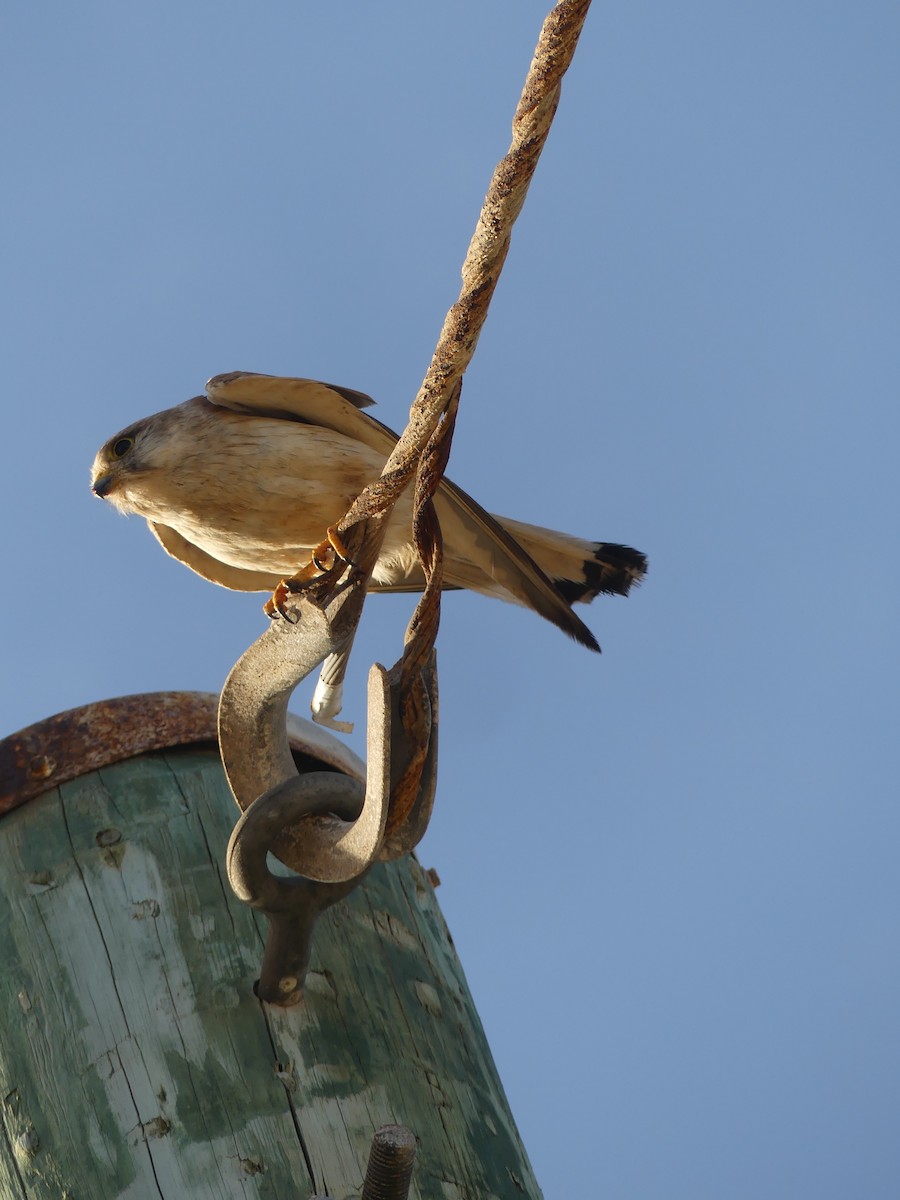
[[129, 468], [117, 462]]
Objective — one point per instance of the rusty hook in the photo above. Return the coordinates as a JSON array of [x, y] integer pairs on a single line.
[[291, 904], [324, 826]]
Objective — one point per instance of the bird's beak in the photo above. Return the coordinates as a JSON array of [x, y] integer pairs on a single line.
[[102, 486]]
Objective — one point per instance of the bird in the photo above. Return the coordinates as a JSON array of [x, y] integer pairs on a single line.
[[240, 484]]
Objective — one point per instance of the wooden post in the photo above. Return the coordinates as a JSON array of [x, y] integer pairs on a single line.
[[135, 1060]]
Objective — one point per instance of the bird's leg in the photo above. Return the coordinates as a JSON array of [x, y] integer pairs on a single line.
[[328, 696], [330, 557]]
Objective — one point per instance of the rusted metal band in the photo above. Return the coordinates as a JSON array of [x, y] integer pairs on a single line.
[[80, 740]]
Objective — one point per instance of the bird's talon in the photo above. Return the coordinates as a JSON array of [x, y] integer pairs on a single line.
[[286, 615], [318, 561], [336, 542], [324, 561], [331, 551], [274, 606], [304, 578]]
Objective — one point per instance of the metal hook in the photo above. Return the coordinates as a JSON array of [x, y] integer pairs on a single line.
[[257, 757], [291, 904], [324, 826]]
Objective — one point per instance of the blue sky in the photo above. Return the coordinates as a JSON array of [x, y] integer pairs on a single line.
[[671, 871]]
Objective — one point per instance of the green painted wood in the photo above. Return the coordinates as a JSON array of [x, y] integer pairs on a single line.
[[135, 1061]]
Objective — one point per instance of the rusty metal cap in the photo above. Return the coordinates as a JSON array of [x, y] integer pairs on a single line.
[[84, 739]]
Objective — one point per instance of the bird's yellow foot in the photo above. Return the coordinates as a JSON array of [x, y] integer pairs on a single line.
[[329, 558], [332, 551]]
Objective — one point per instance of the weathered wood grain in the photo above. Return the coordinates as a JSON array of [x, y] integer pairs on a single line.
[[135, 1061]]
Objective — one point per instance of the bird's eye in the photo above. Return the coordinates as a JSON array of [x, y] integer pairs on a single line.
[[122, 446]]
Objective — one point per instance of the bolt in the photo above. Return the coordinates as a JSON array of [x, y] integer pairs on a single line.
[[391, 1162], [41, 767]]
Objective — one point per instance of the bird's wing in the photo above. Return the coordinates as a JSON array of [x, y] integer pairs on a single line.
[[505, 564], [210, 568], [240, 580], [473, 533], [304, 400]]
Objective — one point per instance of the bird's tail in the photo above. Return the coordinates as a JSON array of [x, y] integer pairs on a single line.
[[580, 569], [525, 564]]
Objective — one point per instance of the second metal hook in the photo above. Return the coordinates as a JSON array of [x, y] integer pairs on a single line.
[[291, 904]]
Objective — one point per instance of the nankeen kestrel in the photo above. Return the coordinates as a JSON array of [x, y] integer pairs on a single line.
[[241, 484]]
